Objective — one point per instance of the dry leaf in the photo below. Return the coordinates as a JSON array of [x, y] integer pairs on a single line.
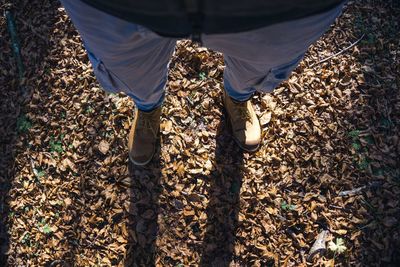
[[104, 146]]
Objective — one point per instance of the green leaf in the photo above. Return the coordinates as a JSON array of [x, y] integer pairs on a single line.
[[23, 124], [56, 146], [363, 164], [47, 229], [89, 109], [356, 146], [39, 173], [354, 134], [202, 76], [286, 206]]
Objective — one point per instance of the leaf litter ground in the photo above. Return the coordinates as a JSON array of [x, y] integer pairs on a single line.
[[328, 169]]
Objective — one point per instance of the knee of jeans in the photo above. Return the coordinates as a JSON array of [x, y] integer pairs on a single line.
[[107, 80], [277, 75]]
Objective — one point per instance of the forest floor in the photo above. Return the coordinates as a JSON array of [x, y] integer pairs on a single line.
[[329, 162]]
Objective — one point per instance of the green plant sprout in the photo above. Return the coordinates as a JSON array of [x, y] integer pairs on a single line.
[[23, 124], [286, 206], [47, 229], [202, 76], [56, 145]]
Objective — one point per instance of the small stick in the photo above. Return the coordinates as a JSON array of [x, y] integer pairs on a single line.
[[338, 53], [358, 190], [354, 191]]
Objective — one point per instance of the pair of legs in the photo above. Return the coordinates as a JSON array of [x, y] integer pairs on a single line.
[[130, 58]]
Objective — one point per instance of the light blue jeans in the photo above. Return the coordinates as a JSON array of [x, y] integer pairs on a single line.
[[130, 58]]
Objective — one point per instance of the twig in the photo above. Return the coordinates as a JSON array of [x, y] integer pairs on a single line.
[[358, 190], [338, 53], [354, 191]]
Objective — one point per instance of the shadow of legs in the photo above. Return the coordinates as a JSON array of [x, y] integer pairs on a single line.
[[223, 208], [143, 212]]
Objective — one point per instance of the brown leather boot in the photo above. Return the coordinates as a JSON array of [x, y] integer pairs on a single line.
[[245, 125], [143, 136]]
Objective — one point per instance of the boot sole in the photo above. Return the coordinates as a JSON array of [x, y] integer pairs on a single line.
[[247, 149], [150, 158]]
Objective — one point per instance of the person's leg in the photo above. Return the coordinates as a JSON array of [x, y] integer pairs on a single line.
[[259, 60], [130, 58], [125, 57]]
